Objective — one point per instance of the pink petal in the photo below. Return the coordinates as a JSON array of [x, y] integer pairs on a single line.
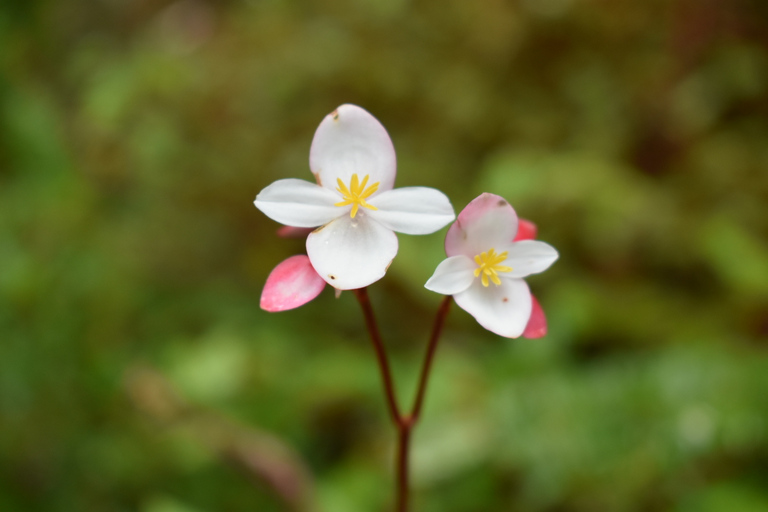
[[537, 324], [291, 284], [526, 230], [292, 232], [486, 222]]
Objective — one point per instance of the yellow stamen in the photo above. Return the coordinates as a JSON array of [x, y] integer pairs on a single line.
[[488, 265], [356, 194]]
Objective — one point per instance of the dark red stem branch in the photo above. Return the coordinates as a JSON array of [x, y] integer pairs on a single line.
[[403, 447], [404, 423], [381, 354], [437, 329]]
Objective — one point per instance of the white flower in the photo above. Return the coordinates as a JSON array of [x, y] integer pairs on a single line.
[[485, 268], [353, 202]]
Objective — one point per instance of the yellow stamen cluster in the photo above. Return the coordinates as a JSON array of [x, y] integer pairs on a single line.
[[488, 265], [356, 194]]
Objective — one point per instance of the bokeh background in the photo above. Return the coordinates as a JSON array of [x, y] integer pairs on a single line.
[[137, 371]]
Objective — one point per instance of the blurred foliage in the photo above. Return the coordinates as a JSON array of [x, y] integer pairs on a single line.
[[134, 136]]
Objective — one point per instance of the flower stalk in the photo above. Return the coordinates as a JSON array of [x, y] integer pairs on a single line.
[[404, 423], [361, 295]]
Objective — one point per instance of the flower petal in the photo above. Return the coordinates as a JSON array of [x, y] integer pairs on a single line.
[[452, 275], [529, 257], [487, 222], [537, 324], [297, 203], [291, 284], [351, 141], [526, 230], [413, 210], [352, 253], [503, 309]]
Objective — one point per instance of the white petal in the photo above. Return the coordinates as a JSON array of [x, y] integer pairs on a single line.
[[352, 253], [298, 203], [528, 257], [351, 141], [487, 222], [452, 275], [412, 210], [503, 309]]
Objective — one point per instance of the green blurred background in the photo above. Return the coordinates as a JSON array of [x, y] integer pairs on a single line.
[[137, 371]]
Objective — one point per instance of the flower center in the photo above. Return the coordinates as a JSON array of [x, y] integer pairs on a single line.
[[488, 265], [356, 194]]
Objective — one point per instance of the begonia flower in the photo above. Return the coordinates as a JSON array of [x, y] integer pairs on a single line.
[[485, 267], [291, 284], [353, 204]]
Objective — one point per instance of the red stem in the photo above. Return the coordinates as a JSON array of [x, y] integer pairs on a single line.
[[403, 446], [437, 329], [381, 354], [403, 423]]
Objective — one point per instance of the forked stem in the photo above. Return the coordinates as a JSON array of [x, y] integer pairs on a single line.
[[403, 423]]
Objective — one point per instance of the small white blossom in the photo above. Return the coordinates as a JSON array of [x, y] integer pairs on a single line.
[[353, 204], [485, 267]]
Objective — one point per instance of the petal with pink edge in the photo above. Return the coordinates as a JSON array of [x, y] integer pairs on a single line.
[[352, 253], [412, 210], [526, 230], [487, 222], [537, 324], [351, 141], [504, 309], [291, 284]]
